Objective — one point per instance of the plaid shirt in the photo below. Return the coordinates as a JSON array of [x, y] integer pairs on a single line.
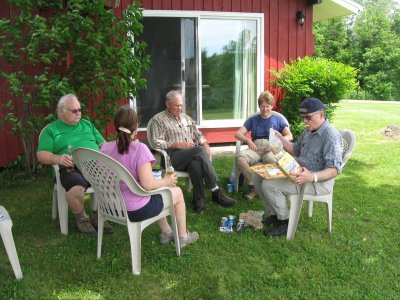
[[321, 149], [166, 130]]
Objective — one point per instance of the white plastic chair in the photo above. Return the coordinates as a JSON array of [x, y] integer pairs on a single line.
[[236, 171], [296, 200], [8, 240], [59, 202], [164, 156], [104, 174]]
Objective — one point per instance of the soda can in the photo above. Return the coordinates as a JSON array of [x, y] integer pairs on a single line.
[[240, 225], [225, 229], [231, 221], [224, 222], [229, 187]]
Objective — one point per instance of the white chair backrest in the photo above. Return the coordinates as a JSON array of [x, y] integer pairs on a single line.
[[104, 174], [149, 136], [349, 141], [40, 134], [275, 113], [56, 167]]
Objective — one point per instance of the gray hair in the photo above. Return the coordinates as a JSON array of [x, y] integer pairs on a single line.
[[172, 94], [61, 102]]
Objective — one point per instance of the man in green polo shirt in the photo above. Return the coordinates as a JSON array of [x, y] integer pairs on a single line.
[[70, 131]]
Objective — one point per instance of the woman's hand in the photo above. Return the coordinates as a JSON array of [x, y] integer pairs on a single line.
[[170, 180]]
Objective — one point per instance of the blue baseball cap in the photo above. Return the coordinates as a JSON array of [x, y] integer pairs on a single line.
[[311, 105]]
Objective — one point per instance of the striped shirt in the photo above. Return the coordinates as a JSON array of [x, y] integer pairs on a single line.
[[321, 149], [167, 130]]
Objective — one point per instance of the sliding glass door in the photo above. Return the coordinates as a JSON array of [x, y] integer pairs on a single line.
[[215, 59]]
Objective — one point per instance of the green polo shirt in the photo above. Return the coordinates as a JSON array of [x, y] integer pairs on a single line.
[[56, 137]]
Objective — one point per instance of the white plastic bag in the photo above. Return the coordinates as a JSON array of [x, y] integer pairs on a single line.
[[275, 144]]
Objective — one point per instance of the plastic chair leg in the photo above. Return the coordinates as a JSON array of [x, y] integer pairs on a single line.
[[188, 185], [175, 230], [100, 230], [236, 174], [135, 237], [8, 240], [62, 211], [296, 202], [93, 202], [310, 208], [329, 215], [54, 207]]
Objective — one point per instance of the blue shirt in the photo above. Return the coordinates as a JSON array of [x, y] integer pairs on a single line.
[[259, 127], [321, 149]]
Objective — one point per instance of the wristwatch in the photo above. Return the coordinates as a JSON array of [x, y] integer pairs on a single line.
[[315, 177]]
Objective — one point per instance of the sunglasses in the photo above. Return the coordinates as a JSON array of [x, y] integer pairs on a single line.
[[74, 111], [308, 117]]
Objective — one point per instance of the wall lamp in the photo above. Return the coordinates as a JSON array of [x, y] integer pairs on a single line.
[[301, 18]]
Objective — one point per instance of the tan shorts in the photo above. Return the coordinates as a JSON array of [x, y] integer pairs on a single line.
[[261, 155]]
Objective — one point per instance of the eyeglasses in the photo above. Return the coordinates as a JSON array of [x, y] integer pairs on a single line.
[[308, 117], [74, 111]]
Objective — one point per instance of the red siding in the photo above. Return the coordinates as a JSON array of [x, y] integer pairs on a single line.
[[284, 40]]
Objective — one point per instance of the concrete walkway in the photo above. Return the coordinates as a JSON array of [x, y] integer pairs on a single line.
[[223, 150]]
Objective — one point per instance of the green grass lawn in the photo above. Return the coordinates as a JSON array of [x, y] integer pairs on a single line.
[[358, 260]]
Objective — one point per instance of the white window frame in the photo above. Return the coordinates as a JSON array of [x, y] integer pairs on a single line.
[[258, 17]]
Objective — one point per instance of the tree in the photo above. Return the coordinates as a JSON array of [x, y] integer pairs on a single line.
[[105, 62], [371, 45], [331, 39], [311, 77]]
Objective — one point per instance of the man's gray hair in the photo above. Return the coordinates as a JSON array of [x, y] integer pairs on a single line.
[[61, 102], [172, 94]]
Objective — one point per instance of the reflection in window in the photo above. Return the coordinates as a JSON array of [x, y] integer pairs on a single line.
[[229, 73]]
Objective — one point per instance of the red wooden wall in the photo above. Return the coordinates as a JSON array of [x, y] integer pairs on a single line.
[[284, 40]]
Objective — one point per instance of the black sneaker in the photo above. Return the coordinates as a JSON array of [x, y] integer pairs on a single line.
[[270, 220], [219, 197], [198, 204], [279, 228]]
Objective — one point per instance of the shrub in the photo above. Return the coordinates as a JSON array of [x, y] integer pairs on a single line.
[[71, 46], [326, 80]]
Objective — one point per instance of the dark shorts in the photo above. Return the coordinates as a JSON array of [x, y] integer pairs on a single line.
[[71, 179], [151, 209]]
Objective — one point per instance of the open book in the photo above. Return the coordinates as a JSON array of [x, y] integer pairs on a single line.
[[281, 169]]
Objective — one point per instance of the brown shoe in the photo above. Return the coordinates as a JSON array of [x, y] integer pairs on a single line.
[[108, 229], [251, 193], [85, 226], [219, 197]]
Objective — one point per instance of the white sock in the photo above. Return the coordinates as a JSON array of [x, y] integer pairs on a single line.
[[215, 188]]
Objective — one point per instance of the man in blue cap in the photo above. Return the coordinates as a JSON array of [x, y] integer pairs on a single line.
[[319, 151]]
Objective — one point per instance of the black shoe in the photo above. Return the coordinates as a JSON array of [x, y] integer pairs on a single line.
[[270, 220], [198, 204], [219, 197], [279, 228]]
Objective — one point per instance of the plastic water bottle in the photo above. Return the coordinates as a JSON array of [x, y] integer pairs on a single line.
[[231, 184]]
